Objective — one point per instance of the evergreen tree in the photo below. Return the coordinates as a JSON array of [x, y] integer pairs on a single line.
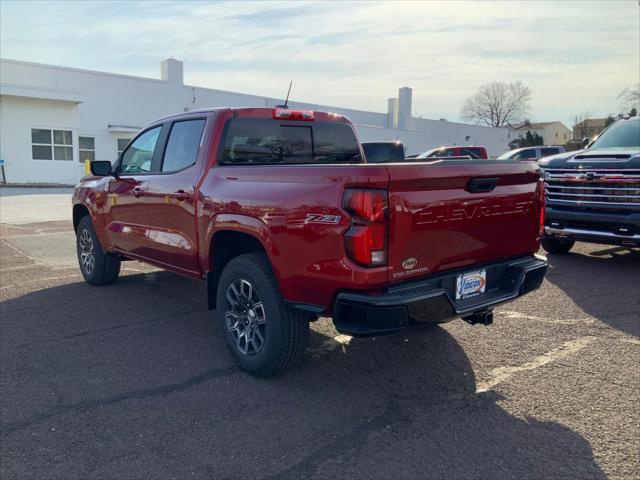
[[537, 140], [531, 140], [528, 139]]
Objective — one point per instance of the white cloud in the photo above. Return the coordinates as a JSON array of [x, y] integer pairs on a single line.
[[574, 56]]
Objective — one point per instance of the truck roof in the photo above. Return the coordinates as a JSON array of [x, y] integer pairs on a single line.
[[257, 112]]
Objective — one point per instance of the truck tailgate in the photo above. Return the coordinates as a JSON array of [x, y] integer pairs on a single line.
[[453, 214]]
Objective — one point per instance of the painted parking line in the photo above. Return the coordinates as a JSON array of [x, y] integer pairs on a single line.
[[500, 374], [556, 321]]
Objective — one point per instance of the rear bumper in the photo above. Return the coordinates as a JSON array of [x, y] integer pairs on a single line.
[[432, 299], [612, 228]]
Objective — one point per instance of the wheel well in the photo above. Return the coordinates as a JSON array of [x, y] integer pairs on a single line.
[[79, 211], [225, 246]]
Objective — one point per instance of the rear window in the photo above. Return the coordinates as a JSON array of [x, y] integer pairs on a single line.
[[257, 141]]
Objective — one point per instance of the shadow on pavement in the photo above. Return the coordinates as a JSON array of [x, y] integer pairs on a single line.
[[616, 300], [133, 380]]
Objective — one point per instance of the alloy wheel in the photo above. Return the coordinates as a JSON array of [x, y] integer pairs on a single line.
[[245, 317], [87, 257]]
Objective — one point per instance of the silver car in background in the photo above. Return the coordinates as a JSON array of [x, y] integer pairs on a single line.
[[531, 153]]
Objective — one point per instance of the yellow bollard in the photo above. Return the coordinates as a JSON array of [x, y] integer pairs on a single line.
[[87, 167]]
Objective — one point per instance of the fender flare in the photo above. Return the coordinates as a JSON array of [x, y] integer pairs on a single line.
[[234, 223], [243, 224], [92, 202]]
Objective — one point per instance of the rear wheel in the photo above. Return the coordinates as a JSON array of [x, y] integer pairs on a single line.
[[557, 245], [97, 266], [264, 336]]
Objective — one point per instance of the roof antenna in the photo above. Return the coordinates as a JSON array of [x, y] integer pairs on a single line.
[[286, 100]]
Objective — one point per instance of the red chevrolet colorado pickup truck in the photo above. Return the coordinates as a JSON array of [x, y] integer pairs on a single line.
[[277, 211]]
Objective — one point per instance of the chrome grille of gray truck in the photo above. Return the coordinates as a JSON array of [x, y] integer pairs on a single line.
[[594, 187]]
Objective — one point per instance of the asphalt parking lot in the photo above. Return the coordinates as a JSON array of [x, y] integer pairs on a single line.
[[133, 380]]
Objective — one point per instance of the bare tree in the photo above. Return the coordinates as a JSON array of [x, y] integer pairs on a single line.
[[497, 104], [579, 117], [630, 97]]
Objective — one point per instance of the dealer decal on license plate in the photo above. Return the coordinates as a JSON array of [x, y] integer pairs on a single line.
[[471, 284]]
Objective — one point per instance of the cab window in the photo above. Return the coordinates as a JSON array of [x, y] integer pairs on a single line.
[[545, 152], [137, 157], [183, 145]]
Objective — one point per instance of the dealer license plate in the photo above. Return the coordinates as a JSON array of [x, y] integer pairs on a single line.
[[471, 284]]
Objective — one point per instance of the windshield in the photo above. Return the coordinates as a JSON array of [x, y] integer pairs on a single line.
[[446, 152], [505, 155], [623, 133], [430, 153]]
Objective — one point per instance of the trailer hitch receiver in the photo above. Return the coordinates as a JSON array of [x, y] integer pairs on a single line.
[[485, 317]]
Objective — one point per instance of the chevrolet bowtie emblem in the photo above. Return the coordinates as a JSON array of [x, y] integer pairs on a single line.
[[589, 176]]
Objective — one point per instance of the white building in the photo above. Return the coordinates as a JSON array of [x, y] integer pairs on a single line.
[[552, 133], [53, 118]]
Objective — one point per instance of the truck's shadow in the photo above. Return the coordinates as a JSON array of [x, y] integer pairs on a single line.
[[144, 387], [605, 284]]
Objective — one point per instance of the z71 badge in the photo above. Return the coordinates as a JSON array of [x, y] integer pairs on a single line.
[[322, 219]]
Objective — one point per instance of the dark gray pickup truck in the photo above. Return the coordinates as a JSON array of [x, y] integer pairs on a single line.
[[593, 195]]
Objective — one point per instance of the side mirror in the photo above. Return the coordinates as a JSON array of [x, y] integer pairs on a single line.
[[101, 168], [585, 142]]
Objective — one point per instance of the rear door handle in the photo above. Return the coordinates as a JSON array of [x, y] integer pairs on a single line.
[[137, 192], [182, 195], [480, 185]]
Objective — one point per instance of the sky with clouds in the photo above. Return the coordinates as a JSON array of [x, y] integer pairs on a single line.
[[576, 56]]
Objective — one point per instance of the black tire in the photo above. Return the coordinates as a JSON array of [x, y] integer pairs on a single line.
[[284, 333], [557, 245], [105, 268]]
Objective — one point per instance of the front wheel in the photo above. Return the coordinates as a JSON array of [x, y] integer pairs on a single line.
[[557, 245], [264, 336], [97, 266]]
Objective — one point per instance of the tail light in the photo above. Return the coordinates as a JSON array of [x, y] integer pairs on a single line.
[[287, 114], [542, 207], [366, 240]]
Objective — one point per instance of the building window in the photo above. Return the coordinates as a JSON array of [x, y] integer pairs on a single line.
[[51, 144], [87, 149], [122, 144]]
